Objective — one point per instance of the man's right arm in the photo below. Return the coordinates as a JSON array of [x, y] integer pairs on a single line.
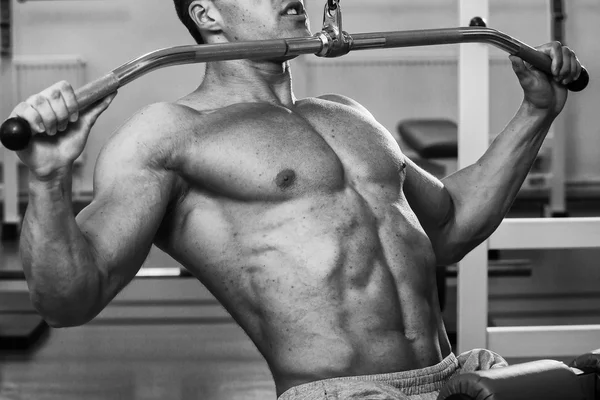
[[76, 265]]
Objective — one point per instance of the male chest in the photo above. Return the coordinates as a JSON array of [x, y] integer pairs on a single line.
[[262, 152]]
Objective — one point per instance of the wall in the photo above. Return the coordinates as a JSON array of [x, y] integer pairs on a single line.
[[108, 33], [422, 82]]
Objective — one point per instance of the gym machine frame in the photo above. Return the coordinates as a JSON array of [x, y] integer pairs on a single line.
[[512, 234]]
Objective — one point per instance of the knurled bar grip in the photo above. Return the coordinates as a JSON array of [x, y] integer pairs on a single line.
[[96, 90], [15, 133]]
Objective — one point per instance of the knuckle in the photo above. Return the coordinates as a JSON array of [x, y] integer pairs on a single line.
[[55, 94], [21, 107], [27, 114], [36, 100], [72, 106], [63, 86]]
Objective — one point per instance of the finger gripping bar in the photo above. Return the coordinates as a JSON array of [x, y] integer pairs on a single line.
[[15, 133], [542, 62]]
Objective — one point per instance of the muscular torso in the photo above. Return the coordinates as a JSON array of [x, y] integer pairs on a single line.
[[296, 221]]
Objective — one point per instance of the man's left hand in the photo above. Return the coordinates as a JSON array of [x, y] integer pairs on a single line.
[[542, 91]]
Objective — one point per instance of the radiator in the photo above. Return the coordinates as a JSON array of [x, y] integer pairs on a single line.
[[399, 86], [32, 74]]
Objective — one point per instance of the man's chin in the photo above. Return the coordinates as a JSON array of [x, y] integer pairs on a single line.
[[297, 33], [278, 60], [283, 59]]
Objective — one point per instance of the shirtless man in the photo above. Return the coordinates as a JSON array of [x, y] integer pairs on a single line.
[[302, 217]]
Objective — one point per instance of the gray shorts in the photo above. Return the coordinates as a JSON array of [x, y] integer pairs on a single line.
[[419, 384]]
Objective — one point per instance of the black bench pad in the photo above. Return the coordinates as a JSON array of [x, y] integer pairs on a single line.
[[430, 138]]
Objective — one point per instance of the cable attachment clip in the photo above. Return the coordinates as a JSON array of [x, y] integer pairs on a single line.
[[335, 41]]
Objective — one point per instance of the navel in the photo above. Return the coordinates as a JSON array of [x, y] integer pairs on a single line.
[[285, 178]]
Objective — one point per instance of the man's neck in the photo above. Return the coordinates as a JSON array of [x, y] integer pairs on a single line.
[[250, 81]]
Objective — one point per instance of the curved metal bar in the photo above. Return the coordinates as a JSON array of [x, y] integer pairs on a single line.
[[320, 44], [261, 49], [490, 36], [430, 37], [179, 55], [14, 134]]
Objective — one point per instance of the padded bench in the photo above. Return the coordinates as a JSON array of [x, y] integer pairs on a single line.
[[20, 324], [536, 380], [431, 143], [430, 138]]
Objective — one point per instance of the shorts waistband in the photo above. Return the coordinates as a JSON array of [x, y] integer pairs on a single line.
[[412, 382]]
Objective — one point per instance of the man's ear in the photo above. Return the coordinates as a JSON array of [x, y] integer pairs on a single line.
[[205, 15]]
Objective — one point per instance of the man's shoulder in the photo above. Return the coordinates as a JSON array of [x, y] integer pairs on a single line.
[[151, 133], [157, 122], [339, 98], [163, 117], [346, 101]]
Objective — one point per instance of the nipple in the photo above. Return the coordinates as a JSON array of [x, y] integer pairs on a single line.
[[286, 178]]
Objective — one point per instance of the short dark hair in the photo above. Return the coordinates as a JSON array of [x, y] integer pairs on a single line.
[[182, 8]]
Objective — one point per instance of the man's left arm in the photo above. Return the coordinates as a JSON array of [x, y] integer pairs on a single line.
[[462, 210]]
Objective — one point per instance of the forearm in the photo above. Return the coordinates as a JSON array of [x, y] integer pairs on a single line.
[[57, 259], [483, 193]]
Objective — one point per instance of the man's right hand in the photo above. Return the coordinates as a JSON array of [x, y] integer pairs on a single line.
[[59, 130]]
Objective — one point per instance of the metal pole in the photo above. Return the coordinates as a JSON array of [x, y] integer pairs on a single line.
[[473, 141], [557, 28], [10, 189], [558, 197]]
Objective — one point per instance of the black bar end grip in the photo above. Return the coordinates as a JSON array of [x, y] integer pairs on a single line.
[[15, 134], [581, 82]]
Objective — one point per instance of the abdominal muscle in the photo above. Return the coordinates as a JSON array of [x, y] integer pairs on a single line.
[[322, 286]]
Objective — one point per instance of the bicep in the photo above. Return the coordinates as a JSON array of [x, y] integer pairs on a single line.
[[131, 195], [120, 225], [428, 198]]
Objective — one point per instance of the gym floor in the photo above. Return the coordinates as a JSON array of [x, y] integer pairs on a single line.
[[138, 362], [140, 359], [136, 359]]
